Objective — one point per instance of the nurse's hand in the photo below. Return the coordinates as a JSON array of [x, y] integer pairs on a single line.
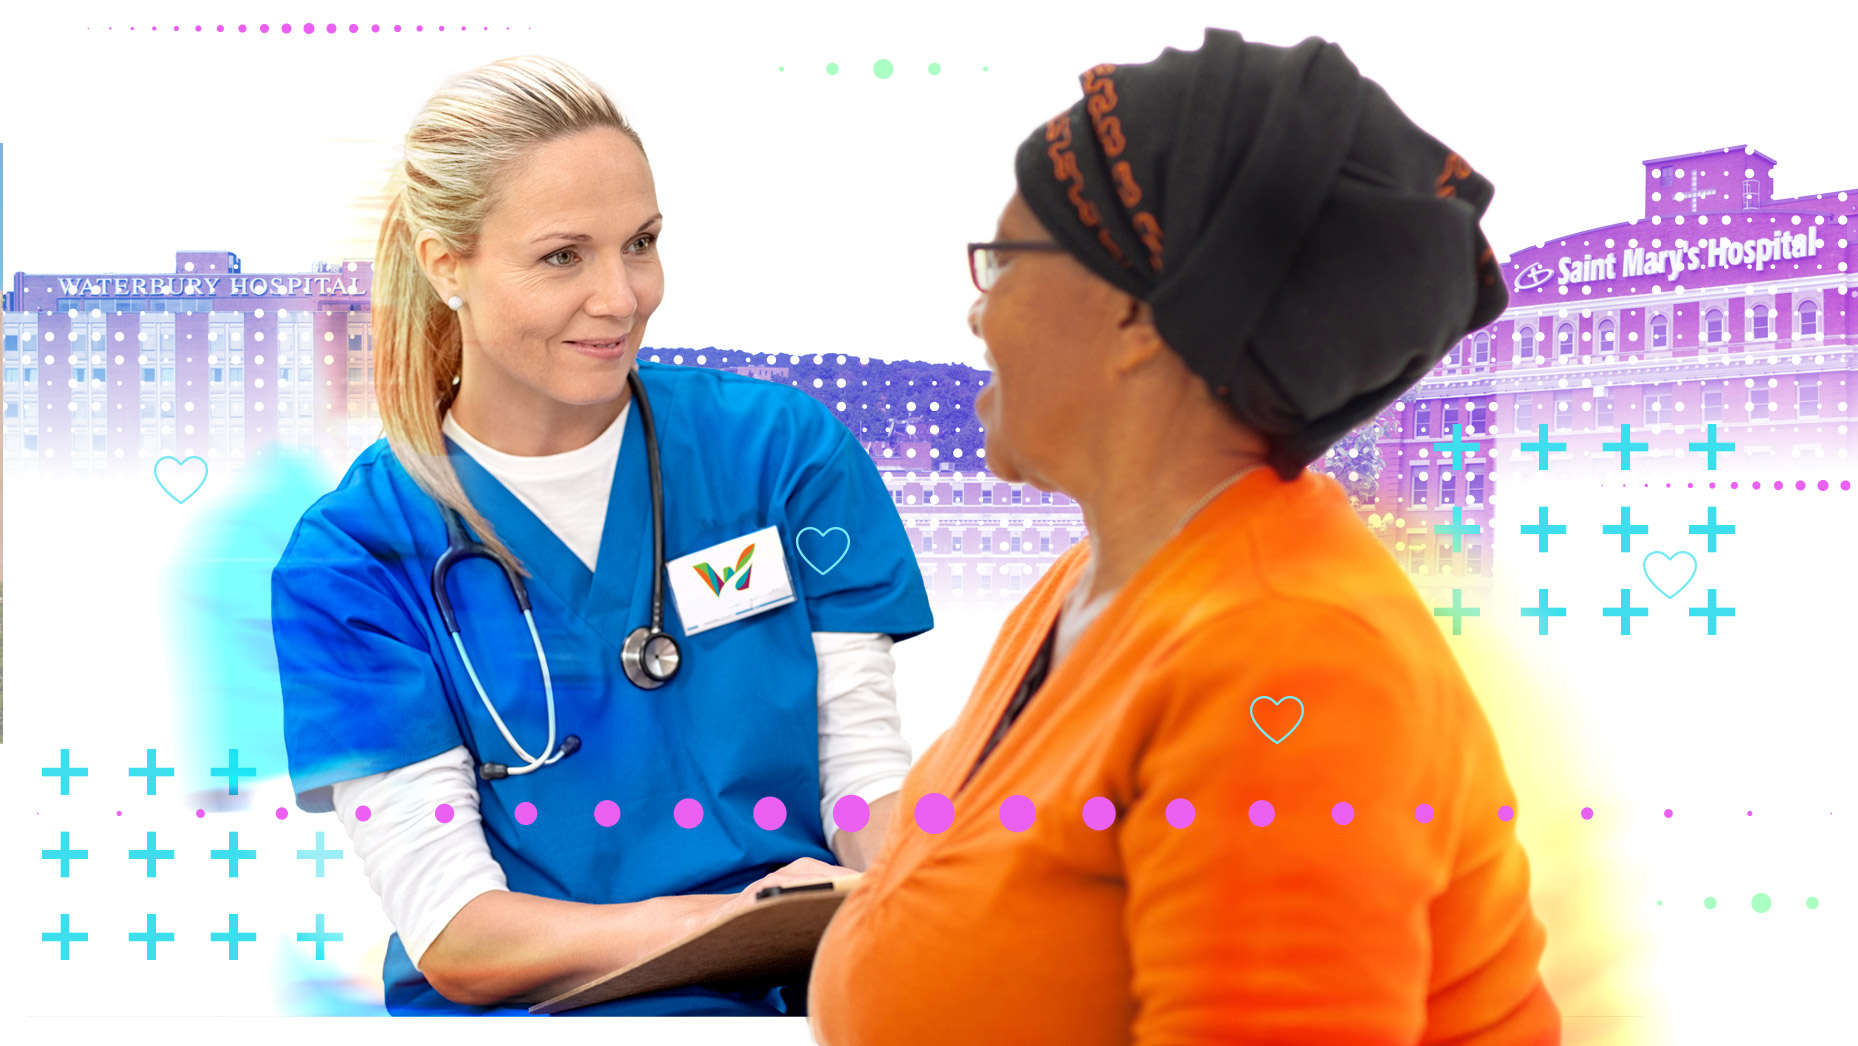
[[805, 870]]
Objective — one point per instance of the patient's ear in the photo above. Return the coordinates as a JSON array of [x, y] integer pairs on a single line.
[[1137, 340]]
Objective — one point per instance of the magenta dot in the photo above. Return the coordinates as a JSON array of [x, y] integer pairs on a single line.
[[377, 29], [443, 813], [1342, 813], [282, 813], [1423, 813], [197, 28], [1262, 813], [441, 29], [1799, 484], [688, 813], [606, 813], [851, 814], [353, 28], [934, 813], [1778, 484], [1667, 813], [396, 29], [1506, 812], [199, 813], [419, 28], [1017, 813], [1731, 486], [285, 28], [1823, 484], [362, 813], [1099, 813], [525, 813], [1751, 813], [119, 813], [1586, 813], [1712, 486], [1845, 484], [264, 27], [241, 29], [770, 813], [331, 28], [1180, 813]]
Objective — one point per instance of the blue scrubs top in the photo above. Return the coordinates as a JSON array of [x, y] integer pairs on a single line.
[[371, 681]]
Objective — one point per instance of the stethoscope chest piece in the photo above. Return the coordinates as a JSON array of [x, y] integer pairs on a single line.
[[649, 657]]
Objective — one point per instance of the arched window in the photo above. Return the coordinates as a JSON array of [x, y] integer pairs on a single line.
[[1564, 341], [1759, 326], [1661, 333], [1480, 348], [1809, 318], [1525, 343], [1713, 325], [1606, 336]]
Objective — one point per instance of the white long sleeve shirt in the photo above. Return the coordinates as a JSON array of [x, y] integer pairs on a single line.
[[426, 872]]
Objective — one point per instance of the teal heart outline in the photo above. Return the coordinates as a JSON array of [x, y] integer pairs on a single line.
[[1645, 565], [1253, 712], [822, 533], [181, 462]]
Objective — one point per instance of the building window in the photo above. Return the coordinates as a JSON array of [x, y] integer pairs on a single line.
[[1448, 487], [1809, 398], [1525, 415], [956, 496], [987, 543], [1603, 412], [1525, 345], [1045, 497], [1016, 496], [1809, 318], [1456, 356], [1448, 417], [1480, 419], [954, 545], [1045, 542], [928, 543], [897, 496], [1712, 404], [1713, 326], [1758, 405], [1474, 489], [1657, 407], [1424, 416], [1564, 413], [1415, 555], [1480, 348], [1606, 337], [1418, 492], [987, 495], [1661, 333], [1014, 543], [1564, 341], [1473, 557], [1760, 324]]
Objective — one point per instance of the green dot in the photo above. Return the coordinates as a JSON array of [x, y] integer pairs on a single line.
[[1709, 902], [1761, 902], [832, 68], [883, 68], [1661, 903], [983, 68], [782, 69], [1812, 902], [935, 69]]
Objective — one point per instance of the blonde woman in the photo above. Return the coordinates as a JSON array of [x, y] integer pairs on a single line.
[[563, 673]]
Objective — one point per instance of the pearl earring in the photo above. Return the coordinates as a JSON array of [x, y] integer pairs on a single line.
[[455, 302]]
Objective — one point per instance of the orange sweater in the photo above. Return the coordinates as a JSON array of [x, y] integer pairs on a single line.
[[1302, 930]]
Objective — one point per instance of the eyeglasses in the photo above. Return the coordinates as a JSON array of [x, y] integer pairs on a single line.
[[984, 258]]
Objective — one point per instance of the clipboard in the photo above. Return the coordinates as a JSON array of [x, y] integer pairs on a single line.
[[772, 939]]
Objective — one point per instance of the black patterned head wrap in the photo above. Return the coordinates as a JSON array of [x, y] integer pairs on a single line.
[[1307, 249]]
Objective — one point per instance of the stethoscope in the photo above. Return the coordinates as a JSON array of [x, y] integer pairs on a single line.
[[649, 656]]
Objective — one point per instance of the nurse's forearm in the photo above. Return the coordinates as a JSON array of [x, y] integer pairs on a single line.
[[858, 849], [515, 946]]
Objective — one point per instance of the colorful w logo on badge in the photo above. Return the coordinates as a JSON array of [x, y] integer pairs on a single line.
[[740, 572]]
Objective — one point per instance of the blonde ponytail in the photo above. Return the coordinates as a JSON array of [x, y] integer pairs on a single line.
[[476, 128]]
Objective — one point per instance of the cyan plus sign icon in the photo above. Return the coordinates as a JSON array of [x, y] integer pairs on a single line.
[[64, 937], [1711, 528], [1713, 448], [1542, 612], [233, 771], [1457, 528], [1625, 528], [232, 855], [151, 855], [64, 855], [319, 937], [1457, 611], [232, 937], [151, 936], [1542, 528], [1625, 612], [64, 771], [1712, 611], [1456, 447], [1541, 448], [1625, 446], [319, 855], [151, 771]]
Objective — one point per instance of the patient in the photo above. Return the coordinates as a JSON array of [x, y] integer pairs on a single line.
[[1217, 263]]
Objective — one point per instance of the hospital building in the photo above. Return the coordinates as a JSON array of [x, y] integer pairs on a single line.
[[1720, 304]]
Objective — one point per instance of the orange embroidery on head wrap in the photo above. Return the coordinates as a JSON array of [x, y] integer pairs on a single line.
[[1456, 170], [1065, 169]]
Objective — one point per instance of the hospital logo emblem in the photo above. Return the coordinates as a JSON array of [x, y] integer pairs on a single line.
[[740, 572], [1532, 277]]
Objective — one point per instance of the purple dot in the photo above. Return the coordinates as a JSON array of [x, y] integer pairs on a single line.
[[1751, 813], [525, 814], [1754, 486], [353, 28], [934, 813], [1423, 813], [441, 29], [1778, 484], [688, 813], [1180, 813], [1732, 486], [1667, 813], [199, 813], [1262, 813], [1586, 813], [1099, 813], [285, 28], [119, 813], [282, 813], [197, 28], [1712, 486], [377, 29], [770, 813], [241, 29], [264, 27], [1823, 484], [1342, 813], [1799, 484], [362, 813], [606, 813], [331, 27], [419, 28], [1017, 813], [396, 29], [851, 814], [219, 29], [443, 813], [1506, 812], [1845, 484]]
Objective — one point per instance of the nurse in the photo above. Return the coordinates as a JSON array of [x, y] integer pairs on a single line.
[[533, 811]]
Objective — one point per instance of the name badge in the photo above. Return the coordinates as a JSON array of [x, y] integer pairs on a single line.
[[731, 580]]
